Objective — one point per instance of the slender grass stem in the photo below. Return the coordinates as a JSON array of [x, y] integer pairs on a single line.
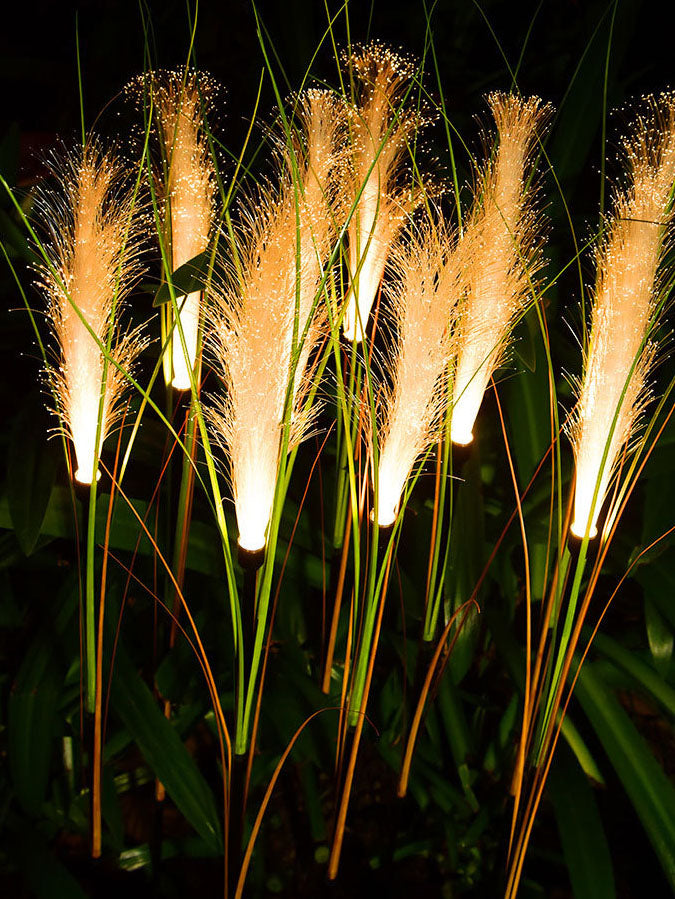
[[555, 686], [360, 717], [90, 600], [380, 561]]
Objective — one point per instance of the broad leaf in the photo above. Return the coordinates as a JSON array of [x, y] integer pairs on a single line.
[[164, 752], [650, 791], [581, 832], [31, 471], [189, 278]]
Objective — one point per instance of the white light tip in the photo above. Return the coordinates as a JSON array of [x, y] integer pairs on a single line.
[[251, 544], [83, 478], [353, 336], [180, 384], [579, 531], [386, 515], [461, 438]]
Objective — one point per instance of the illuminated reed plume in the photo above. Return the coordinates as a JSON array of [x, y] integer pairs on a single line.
[[424, 295], [94, 234], [381, 127], [268, 310], [189, 189], [502, 240], [625, 310]]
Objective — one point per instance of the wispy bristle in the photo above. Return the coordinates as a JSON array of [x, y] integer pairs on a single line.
[[424, 296], [624, 311], [189, 190], [95, 232], [266, 304], [381, 128], [502, 240]]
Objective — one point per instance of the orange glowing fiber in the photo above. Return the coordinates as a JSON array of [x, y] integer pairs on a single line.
[[424, 295], [625, 310], [94, 235], [382, 126], [190, 194], [268, 309], [503, 238]]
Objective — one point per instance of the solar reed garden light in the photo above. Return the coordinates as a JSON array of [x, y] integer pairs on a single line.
[[383, 187], [626, 307], [423, 294], [265, 316], [181, 99], [382, 126], [91, 262], [93, 237], [632, 283], [503, 237], [93, 240], [627, 303]]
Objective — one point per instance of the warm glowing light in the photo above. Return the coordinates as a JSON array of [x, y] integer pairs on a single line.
[[501, 239], [252, 312], [612, 392], [579, 530], [190, 191], [387, 508], [380, 128], [97, 234], [459, 435], [424, 297], [184, 365], [351, 323], [84, 476], [253, 538]]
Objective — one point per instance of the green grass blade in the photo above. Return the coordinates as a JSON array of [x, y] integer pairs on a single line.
[[650, 791]]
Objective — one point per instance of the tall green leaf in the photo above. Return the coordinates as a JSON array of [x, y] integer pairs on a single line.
[[581, 832], [32, 712], [31, 471], [164, 752], [650, 791]]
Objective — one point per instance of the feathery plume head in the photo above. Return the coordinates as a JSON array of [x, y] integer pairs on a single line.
[[267, 313], [502, 241], [189, 187], [424, 294], [382, 123], [629, 275], [94, 235]]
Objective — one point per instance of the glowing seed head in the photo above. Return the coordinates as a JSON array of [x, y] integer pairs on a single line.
[[424, 293], [630, 275], [94, 235], [381, 128], [282, 241], [182, 100], [502, 240]]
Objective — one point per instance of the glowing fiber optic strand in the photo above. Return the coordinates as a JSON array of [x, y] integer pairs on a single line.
[[626, 305], [502, 240], [267, 312], [382, 127], [424, 295], [94, 237], [189, 188]]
